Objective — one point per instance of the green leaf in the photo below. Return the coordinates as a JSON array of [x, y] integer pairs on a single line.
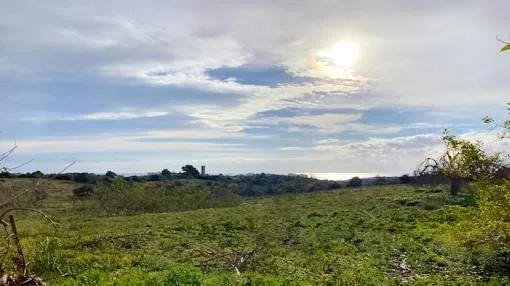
[[505, 47]]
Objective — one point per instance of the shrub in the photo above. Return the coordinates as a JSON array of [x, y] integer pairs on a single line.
[[494, 223], [83, 191]]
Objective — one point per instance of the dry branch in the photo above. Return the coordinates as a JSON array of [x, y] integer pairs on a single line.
[[237, 259], [21, 265], [6, 154]]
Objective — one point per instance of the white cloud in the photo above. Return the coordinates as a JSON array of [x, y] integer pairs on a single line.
[[112, 115], [430, 54], [114, 144]]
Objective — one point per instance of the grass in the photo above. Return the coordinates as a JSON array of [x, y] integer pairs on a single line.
[[370, 236]]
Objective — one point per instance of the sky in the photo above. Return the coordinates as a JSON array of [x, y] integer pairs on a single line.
[[246, 86]]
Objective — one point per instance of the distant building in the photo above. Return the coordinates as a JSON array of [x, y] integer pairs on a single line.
[[202, 171]]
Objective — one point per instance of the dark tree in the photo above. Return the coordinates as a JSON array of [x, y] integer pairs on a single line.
[[155, 177], [382, 181], [135, 179], [405, 179], [190, 171], [5, 174], [166, 173], [64, 177], [355, 182], [110, 174], [84, 178], [37, 174]]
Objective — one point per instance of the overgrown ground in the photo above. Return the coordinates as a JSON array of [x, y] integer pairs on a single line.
[[372, 236]]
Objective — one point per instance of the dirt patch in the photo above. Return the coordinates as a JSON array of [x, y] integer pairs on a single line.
[[401, 269], [21, 280]]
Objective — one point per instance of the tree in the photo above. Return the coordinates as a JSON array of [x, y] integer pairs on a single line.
[[155, 177], [84, 178], [37, 174], [110, 174], [65, 177], [166, 173], [190, 171], [405, 179], [461, 161], [355, 182]]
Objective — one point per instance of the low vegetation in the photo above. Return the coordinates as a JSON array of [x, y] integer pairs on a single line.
[[381, 235]]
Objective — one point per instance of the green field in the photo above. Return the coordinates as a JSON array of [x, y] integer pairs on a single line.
[[388, 235]]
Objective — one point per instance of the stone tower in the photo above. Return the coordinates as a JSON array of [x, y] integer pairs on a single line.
[[202, 170]]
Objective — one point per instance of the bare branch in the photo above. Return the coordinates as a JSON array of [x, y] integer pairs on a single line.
[[47, 217], [20, 260], [20, 165], [428, 166], [11, 200], [67, 167], [6, 154]]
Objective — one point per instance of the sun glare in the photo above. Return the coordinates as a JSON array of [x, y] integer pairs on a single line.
[[338, 60]]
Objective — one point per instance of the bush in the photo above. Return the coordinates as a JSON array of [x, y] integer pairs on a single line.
[[84, 191], [494, 223]]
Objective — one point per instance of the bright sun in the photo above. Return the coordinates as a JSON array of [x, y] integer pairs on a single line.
[[338, 60]]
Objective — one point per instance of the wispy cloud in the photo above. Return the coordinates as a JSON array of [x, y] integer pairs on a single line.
[[100, 116]]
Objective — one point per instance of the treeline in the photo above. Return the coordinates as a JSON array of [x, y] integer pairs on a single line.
[[189, 172], [83, 178], [243, 185]]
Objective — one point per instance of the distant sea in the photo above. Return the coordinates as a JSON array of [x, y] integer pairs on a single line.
[[343, 176]]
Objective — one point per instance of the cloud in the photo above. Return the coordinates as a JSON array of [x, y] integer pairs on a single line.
[[123, 143], [224, 71], [100, 116]]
